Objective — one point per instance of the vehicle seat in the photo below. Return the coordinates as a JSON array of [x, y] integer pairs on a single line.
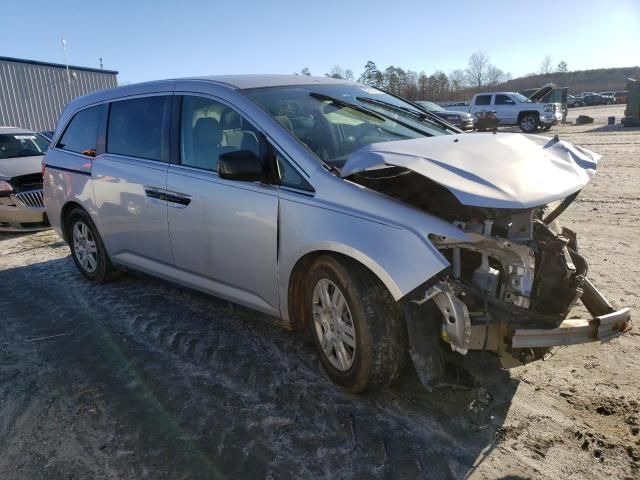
[[207, 136], [235, 136], [285, 122]]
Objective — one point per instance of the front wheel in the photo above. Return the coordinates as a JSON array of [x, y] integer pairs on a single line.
[[529, 123], [86, 246], [357, 326]]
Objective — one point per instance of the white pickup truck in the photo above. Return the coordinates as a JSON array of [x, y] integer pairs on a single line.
[[514, 109]]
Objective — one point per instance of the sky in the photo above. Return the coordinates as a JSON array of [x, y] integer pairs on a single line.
[[155, 39]]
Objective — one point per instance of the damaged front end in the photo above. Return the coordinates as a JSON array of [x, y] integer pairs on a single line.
[[511, 287], [512, 283]]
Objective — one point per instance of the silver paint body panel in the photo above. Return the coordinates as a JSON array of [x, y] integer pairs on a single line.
[[133, 226], [504, 170], [225, 241]]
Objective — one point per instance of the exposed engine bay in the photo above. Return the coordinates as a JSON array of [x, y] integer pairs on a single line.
[[511, 286]]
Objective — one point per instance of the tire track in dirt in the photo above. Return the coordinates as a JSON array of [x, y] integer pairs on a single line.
[[247, 397]]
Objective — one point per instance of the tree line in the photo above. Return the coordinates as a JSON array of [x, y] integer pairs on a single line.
[[479, 74]]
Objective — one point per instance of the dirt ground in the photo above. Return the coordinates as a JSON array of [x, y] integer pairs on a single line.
[[141, 379]]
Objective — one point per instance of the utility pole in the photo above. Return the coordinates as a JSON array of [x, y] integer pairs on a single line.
[[66, 62]]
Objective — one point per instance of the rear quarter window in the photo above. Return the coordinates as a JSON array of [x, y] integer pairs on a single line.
[[81, 135]]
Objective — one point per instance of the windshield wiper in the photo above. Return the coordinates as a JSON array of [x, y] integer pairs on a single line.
[[373, 101], [342, 103], [421, 115], [379, 115], [331, 168]]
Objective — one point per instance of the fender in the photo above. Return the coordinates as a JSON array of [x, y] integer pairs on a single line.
[[401, 258]]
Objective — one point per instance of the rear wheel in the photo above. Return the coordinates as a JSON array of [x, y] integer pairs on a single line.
[[529, 123], [357, 326], [87, 249]]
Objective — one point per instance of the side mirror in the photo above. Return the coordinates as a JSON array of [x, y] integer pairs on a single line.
[[242, 165]]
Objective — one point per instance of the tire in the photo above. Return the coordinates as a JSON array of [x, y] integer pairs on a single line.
[[374, 354], [576, 104], [529, 123], [86, 246]]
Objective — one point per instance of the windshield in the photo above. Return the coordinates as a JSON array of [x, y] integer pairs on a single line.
[[335, 120], [520, 98], [13, 145], [432, 107]]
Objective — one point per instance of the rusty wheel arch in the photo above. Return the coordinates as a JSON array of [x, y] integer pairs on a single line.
[[295, 291]]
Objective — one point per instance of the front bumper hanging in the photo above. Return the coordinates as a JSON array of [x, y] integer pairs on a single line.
[[447, 318], [607, 324]]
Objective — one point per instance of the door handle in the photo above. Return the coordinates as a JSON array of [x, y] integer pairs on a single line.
[[155, 193], [178, 200]]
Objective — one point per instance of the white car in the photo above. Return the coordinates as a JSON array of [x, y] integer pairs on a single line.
[[21, 205]]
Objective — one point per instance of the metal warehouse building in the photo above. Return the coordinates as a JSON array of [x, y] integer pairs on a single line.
[[33, 94]]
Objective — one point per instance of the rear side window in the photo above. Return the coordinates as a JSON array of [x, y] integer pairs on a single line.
[[483, 100], [137, 128], [504, 100], [81, 135]]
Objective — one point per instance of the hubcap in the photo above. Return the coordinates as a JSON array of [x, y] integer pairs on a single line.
[[333, 324], [84, 247]]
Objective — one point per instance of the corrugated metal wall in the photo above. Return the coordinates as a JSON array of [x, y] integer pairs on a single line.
[[33, 96]]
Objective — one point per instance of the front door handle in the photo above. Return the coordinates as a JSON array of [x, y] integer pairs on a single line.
[[178, 200]]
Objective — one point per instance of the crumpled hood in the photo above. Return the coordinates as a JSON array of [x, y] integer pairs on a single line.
[[503, 170], [15, 167]]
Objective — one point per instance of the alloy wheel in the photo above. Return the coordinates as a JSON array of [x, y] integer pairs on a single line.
[[333, 324], [528, 123], [84, 247]]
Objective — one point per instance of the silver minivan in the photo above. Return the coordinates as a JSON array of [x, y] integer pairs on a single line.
[[355, 216]]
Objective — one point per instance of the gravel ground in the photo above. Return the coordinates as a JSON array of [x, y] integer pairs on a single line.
[[142, 379]]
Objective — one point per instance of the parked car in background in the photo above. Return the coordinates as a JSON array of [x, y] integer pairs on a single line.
[[584, 94], [21, 205], [341, 209], [574, 101], [609, 96], [596, 99], [48, 134], [462, 120], [515, 109], [621, 97]]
